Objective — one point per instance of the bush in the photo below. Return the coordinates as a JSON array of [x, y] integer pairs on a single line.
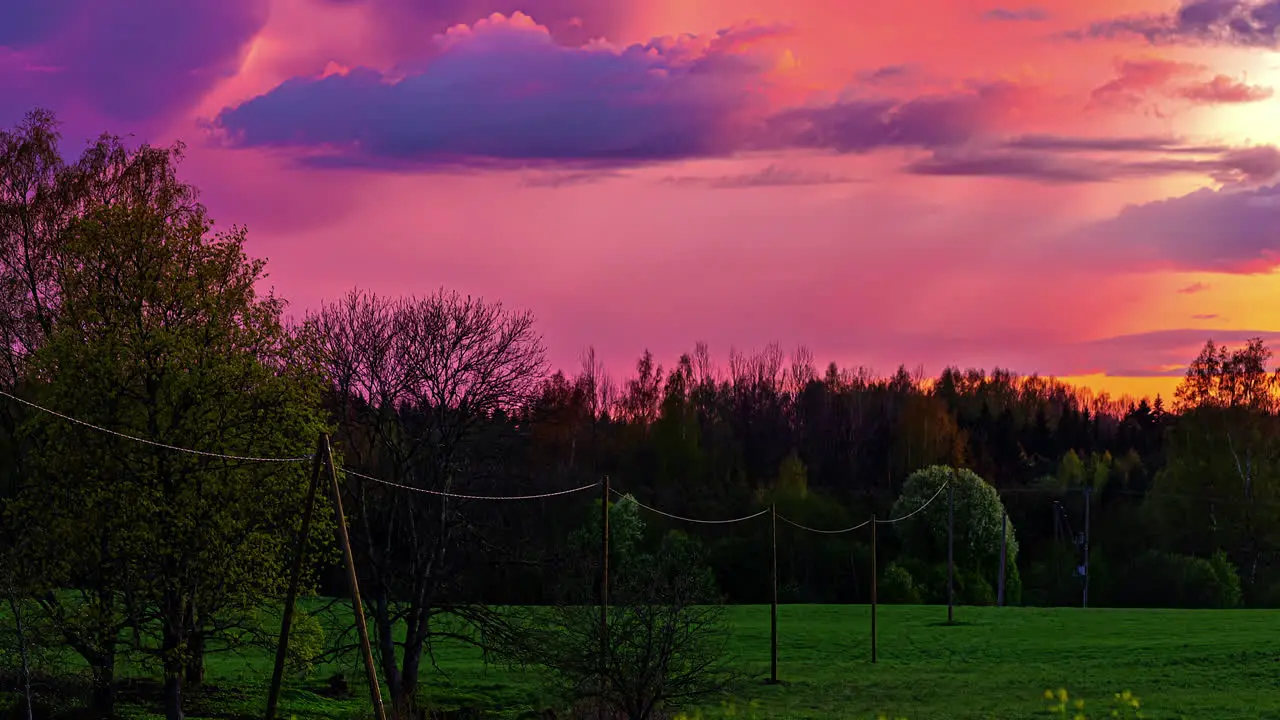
[[898, 587], [1228, 579], [1160, 579], [973, 589], [306, 645]]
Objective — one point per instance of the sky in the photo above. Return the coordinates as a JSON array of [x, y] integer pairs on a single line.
[[1087, 189]]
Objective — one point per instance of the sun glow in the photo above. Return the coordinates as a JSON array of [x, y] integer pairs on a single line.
[[1251, 123]]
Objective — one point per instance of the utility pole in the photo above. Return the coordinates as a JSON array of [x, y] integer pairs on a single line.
[[874, 572], [1004, 544], [295, 577], [362, 626], [951, 562], [1087, 493], [773, 606], [604, 578]]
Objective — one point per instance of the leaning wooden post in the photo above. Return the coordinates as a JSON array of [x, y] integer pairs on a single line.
[[295, 577], [773, 604], [874, 572], [362, 626]]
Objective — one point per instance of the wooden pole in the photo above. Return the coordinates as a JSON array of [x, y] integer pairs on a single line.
[[874, 573], [604, 577], [1087, 493], [951, 562], [295, 577], [773, 605], [357, 606], [1004, 544]]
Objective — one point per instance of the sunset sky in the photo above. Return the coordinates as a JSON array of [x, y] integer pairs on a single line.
[[1082, 188]]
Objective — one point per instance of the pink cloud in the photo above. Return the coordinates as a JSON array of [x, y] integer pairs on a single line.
[[1222, 89]]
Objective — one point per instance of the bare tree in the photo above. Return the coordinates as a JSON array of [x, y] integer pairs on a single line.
[[801, 372], [416, 382], [598, 387]]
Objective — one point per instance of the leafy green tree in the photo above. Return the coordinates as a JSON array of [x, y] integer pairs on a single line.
[[1220, 487], [977, 527], [162, 334]]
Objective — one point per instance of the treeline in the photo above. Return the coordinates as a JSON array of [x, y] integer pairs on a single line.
[[121, 307]]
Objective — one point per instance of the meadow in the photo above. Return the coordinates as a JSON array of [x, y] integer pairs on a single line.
[[994, 663]]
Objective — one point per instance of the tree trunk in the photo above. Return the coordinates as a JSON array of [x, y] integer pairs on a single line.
[[103, 702], [173, 672], [409, 677], [387, 647], [22, 651], [173, 659], [194, 671]]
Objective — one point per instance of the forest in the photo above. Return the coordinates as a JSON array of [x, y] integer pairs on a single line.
[[124, 311]]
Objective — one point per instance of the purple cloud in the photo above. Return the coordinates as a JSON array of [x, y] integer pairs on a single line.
[[1229, 230], [1060, 160], [1248, 23], [1068, 143], [927, 122], [402, 24], [769, 176], [1027, 14], [886, 73], [1204, 316], [1042, 167], [1249, 165], [1160, 353], [130, 64], [1193, 288], [507, 92]]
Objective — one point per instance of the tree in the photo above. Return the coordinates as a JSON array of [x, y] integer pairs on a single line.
[[1220, 487], [665, 637], [162, 334], [978, 517], [420, 387]]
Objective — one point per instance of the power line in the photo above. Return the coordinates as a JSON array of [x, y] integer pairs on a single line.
[[459, 496], [301, 458], [689, 519], [913, 512], [865, 523], [859, 526], [153, 443]]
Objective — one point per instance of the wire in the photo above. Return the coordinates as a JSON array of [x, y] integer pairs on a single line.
[[913, 512], [859, 526], [688, 519], [459, 496], [153, 443]]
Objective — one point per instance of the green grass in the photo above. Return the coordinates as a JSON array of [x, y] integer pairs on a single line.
[[995, 663]]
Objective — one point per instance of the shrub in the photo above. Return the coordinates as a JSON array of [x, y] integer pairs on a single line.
[[973, 589], [898, 587], [306, 645], [1228, 579], [1160, 579]]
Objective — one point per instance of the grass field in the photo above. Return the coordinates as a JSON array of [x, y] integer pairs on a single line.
[[996, 663]]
